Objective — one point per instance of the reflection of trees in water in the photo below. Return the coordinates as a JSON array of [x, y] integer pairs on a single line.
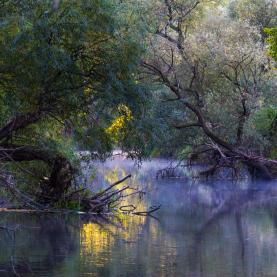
[[179, 246], [201, 230], [233, 217], [41, 243], [239, 200]]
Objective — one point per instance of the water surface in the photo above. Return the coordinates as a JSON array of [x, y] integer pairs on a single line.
[[212, 228]]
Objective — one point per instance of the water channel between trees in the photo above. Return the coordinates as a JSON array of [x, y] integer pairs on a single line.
[[203, 228]]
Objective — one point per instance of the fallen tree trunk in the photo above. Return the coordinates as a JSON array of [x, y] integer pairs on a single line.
[[228, 151]]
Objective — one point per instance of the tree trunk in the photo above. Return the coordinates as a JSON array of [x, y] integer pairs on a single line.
[[258, 164], [61, 175], [60, 180]]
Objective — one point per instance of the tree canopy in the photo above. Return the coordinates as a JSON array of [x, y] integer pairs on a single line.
[[161, 77], [66, 68]]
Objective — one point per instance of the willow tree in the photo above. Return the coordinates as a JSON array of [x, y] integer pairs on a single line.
[[217, 70], [64, 66]]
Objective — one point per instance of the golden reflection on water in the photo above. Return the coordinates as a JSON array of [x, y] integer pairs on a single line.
[[131, 239], [98, 243], [94, 239], [98, 239]]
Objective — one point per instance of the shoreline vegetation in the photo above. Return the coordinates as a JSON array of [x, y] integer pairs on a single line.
[[192, 80], [85, 202]]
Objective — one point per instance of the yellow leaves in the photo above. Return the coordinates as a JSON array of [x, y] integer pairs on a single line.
[[87, 91], [119, 123]]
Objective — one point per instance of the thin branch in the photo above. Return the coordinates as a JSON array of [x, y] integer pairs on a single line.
[[111, 186]]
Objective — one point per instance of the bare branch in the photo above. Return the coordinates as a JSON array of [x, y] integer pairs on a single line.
[[110, 187]]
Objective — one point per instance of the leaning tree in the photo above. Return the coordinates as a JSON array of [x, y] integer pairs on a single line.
[[216, 68], [64, 67]]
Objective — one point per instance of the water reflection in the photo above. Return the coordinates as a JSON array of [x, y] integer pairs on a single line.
[[203, 229]]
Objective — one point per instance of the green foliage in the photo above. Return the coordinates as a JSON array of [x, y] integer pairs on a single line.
[[224, 71], [265, 120], [184, 153], [77, 63], [74, 62], [259, 13], [272, 41]]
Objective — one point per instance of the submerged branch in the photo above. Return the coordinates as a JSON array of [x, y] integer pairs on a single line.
[[149, 212]]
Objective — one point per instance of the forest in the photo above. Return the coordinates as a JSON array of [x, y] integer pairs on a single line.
[[138, 137], [190, 80]]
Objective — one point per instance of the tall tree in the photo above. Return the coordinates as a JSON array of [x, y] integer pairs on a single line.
[[218, 71], [64, 65]]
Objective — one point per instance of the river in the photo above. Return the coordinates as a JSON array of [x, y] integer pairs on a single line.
[[212, 228]]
